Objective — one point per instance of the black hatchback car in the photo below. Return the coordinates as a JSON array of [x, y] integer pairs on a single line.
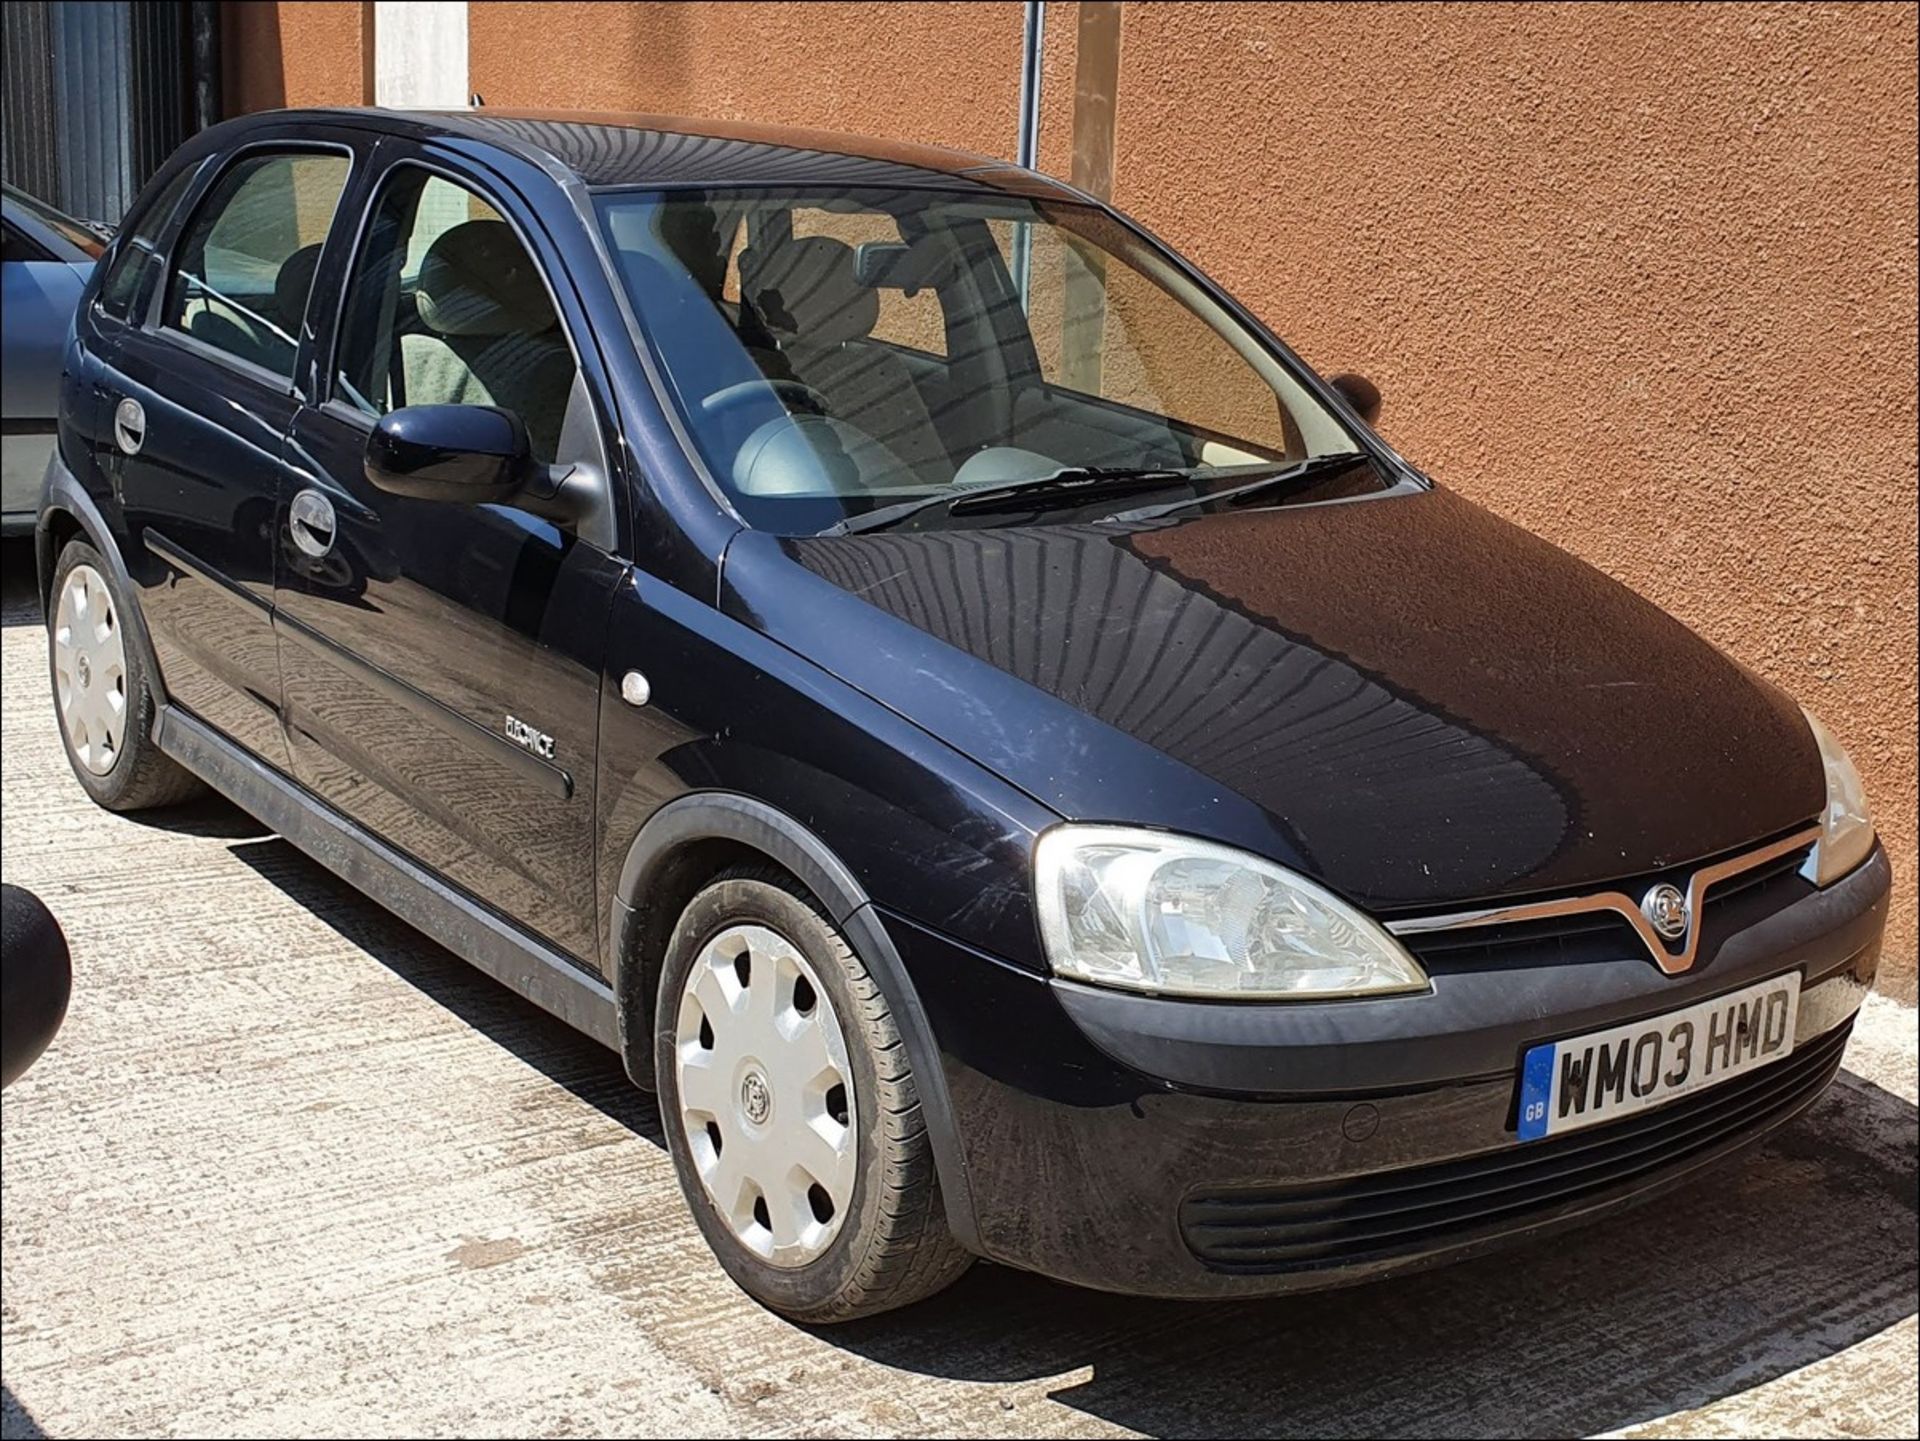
[[989, 736]]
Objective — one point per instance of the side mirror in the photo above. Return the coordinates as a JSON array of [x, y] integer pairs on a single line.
[[474, 454], [1359, 392]]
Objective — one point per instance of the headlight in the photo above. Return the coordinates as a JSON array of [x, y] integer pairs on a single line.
[[1154, 912], [1846, 826]]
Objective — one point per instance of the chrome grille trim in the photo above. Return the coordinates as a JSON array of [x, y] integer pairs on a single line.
[[1672, 962]]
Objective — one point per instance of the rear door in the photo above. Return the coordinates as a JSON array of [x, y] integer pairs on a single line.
[[442, 661], [200, 390]]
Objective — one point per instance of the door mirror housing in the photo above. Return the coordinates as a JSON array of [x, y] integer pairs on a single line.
[[1359, 392], [474, 454]]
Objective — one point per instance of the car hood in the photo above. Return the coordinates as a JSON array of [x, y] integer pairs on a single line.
[[1406, 698]]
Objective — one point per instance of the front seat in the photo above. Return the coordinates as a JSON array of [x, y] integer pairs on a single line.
[[488, 333], [292, 286], [807, 295]]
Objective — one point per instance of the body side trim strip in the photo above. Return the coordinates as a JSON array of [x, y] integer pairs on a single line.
[[1626, 906], [548, 777]]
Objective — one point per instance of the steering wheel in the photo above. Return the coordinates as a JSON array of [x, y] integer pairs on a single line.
[[805, 397]]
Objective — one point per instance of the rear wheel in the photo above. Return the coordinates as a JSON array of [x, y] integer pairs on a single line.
[[101, 691], [791, 1110]]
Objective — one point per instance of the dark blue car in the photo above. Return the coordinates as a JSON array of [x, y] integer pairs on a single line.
[[999, 745]]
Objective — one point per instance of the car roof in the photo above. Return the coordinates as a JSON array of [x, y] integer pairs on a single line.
[[622, 148]]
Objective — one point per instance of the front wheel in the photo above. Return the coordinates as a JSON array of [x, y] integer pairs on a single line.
[[791, 1111]]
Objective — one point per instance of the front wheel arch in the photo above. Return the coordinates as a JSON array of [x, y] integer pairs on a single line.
[[685, 844]]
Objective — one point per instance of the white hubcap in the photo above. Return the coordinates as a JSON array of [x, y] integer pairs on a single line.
[[90, 670], [766, 1095]]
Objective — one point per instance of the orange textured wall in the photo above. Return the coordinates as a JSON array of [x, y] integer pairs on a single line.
[[943, 73], [1641, 278], [292, 54]]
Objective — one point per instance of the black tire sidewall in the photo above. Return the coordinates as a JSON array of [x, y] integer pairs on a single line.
[[744, 901]]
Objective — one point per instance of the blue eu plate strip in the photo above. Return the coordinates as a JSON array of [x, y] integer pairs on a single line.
[[1536, 1091]]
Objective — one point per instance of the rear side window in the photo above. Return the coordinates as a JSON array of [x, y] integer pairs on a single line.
[[245, 263], [136, 269]]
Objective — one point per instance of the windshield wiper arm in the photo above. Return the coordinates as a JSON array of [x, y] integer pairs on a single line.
[[1286, 477], [1074, 483]]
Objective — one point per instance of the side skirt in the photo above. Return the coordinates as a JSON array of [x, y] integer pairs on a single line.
[[402, 885]]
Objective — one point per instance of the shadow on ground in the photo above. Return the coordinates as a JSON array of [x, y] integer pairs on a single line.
[[16, 1422], [19, 593], [559, 1052], [211, 817], [1769, 1265]]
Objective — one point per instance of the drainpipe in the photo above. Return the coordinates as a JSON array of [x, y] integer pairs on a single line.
[[203, 63], [1033, 46]]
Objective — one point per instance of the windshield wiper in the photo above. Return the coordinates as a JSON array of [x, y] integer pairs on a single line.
[[1071, 484], [1285, 478]]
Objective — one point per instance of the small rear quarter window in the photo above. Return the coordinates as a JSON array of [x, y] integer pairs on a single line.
[[134, 268]]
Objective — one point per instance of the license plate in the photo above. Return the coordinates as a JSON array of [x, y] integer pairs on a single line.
[[1565, 1085]]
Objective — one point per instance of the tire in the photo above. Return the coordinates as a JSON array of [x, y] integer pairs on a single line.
[[89, 647], [889, 1245]]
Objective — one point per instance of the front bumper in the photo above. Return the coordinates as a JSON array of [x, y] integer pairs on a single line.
[[1178, 1148]]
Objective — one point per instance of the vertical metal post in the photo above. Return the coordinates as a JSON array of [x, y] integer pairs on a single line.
[[1033, 47], [203, 34]]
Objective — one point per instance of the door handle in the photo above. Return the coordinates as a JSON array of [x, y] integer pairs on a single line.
[[129, 426], [311, 522]]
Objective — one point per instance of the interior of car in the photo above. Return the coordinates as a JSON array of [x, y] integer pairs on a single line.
[[446, 307], [835, 351]]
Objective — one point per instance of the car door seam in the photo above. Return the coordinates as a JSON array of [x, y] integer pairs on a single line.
[[186, 562]]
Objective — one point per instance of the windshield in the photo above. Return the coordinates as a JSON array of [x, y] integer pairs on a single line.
[[840, 353]]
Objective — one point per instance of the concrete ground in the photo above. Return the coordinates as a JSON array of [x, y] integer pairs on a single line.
[[292, 1169]]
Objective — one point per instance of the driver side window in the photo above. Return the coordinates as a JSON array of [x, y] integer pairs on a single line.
[[446, 307]]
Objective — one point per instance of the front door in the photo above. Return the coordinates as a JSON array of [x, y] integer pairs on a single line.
[[199, 393], [442, 661]]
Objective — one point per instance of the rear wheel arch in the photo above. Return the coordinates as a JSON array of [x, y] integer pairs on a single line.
[[57, 529], [690, 841], [67, 514]]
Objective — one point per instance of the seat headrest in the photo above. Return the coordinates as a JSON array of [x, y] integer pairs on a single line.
[[291, 285], [807, 289], [476, 279]]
